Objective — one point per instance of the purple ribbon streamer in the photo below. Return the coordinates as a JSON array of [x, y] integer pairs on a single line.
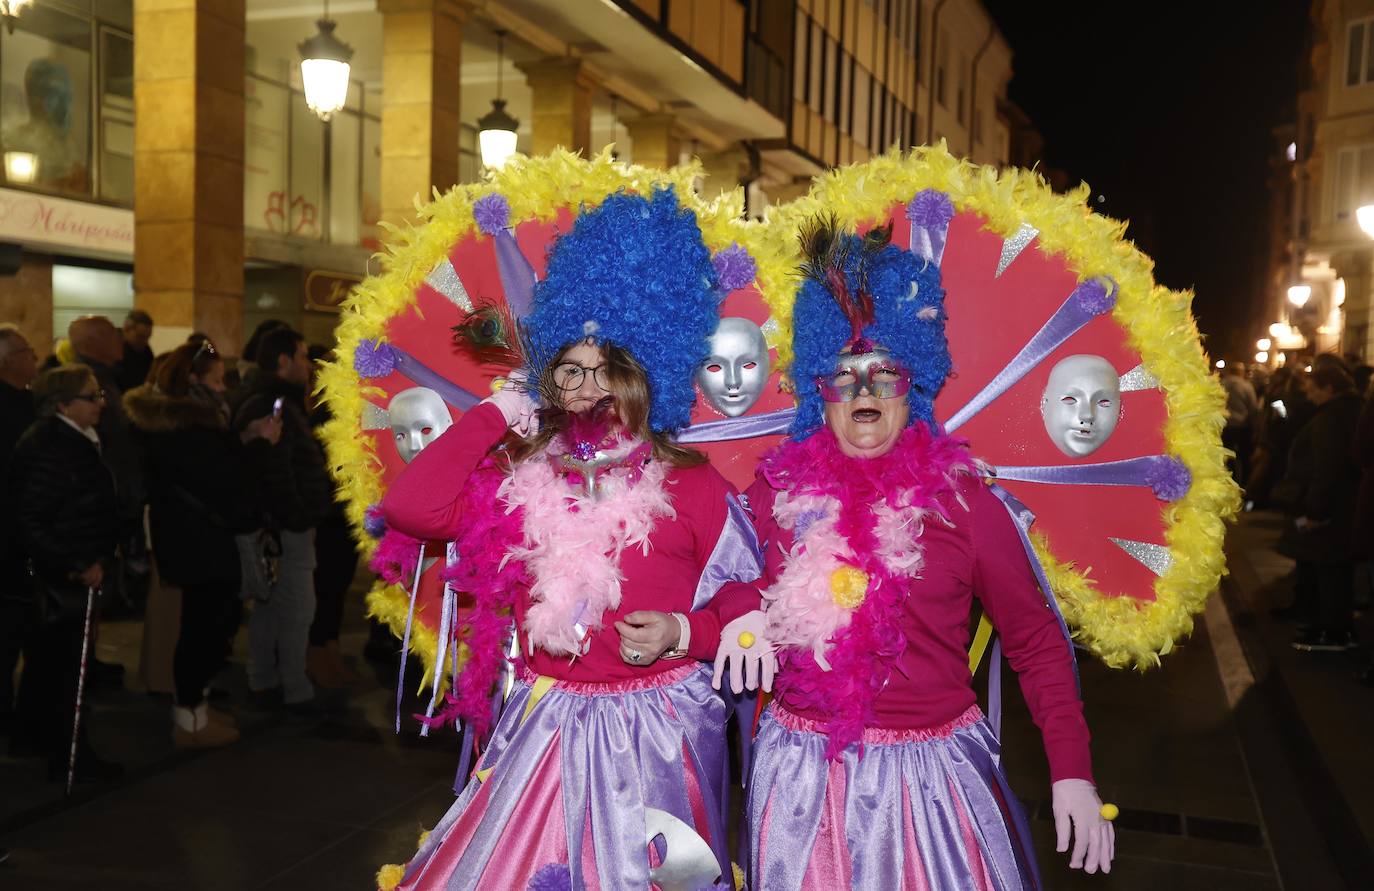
[[405, 639], [1158, 472], [424, 376], [1022, 517], [1086, 303], [746, 427], [517, 275]]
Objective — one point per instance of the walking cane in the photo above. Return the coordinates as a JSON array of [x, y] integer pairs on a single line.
[[80, 686]]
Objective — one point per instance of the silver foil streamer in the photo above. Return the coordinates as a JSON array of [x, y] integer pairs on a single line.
[[689, 863], [1155, 557], [1138, 379], [444, 279], [1013, 246], [375, 417]]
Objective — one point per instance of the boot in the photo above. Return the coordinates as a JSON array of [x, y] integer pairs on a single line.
[[341, 670], [321, 669], [193, 729], [217, 716]]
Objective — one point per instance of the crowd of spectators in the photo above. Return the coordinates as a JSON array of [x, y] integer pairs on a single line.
[[1304, 444], [124, 469]]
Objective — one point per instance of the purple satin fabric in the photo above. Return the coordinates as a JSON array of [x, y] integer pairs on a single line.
[[735, 558], [423, 376], [1142, 471], [618, 754], [907, 809], [744, 427], [517, 275], [1075, 312]]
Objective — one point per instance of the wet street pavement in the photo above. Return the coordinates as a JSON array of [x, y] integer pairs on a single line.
[[1240, 764]]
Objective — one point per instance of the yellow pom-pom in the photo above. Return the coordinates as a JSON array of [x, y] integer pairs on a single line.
[[497, 383], [389, 876], [1110, 811], [424, 837], [738, 875], [746, 639], [848, 585]]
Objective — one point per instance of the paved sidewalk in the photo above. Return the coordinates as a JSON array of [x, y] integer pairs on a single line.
[[1214, 778]]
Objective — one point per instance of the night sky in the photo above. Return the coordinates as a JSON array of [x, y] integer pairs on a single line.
[[1168, 117]]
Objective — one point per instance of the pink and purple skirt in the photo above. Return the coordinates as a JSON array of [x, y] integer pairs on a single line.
[[569, 784], [922, 810]]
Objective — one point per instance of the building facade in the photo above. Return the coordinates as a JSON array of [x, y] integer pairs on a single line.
[[161, 154]]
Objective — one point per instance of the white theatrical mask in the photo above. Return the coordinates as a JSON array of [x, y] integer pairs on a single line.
[[1081, 404], [733, 376], [418, 416]]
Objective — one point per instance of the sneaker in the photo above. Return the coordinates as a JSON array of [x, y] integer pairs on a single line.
[[1322, 640], [224, 719], [211, 736]]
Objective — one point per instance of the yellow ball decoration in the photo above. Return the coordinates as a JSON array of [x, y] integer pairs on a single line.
[[1110, 811], [497, 383], [848, 585], [746, 639]]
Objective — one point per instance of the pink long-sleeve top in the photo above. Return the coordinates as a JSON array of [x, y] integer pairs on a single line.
[[981, 556], [689, 557]]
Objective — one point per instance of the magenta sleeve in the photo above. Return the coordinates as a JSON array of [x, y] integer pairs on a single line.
[[1030, 634], [423, 502]]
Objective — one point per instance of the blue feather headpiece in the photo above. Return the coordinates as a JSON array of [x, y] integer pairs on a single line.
[[635, 272], [863, 287]]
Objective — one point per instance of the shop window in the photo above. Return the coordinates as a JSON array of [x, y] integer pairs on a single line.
[[1354, 185], [1359, 53], [45, 101], [116, 117], [84, 291]]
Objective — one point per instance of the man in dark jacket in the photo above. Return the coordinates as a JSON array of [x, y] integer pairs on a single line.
[[1319, 494], [138, 356], [18, 368], [279, 629]]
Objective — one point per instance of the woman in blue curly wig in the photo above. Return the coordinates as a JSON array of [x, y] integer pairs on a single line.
[[615, 555]]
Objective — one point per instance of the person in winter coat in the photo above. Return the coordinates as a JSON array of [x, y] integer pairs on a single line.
[[200, 496], [296, 503], [1318, 493], [64, 499]]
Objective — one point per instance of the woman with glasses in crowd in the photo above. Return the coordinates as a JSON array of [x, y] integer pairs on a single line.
[[199, 498], [67, 514], [606, 546]]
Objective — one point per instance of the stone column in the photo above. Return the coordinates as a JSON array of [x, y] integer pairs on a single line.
[[656, 140], [725, 170], [422, 42], [562, 105], [188, 166]]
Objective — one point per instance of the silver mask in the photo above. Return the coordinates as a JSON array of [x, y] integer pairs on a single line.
[[1081, 404], [418, 416], [733, 377]]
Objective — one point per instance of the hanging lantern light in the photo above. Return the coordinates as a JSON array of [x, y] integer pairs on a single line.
[[496, 130], [324, 69], [10, 10]]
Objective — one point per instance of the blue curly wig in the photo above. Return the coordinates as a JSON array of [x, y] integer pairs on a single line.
[[635, 272], [908, 321]]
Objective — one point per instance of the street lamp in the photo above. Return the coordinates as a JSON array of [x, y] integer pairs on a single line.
[[1221, 363], [1365, 217], [496, 130], [1262, 357], [1298, 295], [1263, 343], [324, 69], [21, 167], [10, 9]]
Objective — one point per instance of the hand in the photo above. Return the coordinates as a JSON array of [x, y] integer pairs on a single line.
[[92, 575], [648, 633], [514, 402], [267, 427], [743, 645], [1094, 839]]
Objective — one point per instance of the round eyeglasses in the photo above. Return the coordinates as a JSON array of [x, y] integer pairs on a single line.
[[568, 376]]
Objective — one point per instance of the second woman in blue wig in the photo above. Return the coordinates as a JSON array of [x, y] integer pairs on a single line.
[[611, 550]]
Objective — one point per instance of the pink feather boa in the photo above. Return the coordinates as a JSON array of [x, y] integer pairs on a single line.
[[396, 557], [865, 513]]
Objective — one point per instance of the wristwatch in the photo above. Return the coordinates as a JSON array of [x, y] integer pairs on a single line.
[[679, 650]]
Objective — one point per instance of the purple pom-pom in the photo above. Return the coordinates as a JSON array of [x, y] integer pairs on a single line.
[[553, 877], [372, 358], [734, 267], [1169, 478], [374, 524], [930, 208], [1095, 296], [492, 213]]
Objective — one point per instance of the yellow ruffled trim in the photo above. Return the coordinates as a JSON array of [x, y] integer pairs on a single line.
[[1117, 629]]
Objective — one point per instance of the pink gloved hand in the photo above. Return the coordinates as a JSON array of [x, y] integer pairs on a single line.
[[750, 655], [1076, 805], [514, 402]]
